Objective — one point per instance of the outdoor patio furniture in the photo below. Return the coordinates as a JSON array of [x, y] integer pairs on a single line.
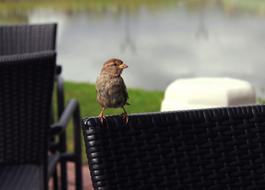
[[26, 161], [217, 149], [29, 38], [26, 82]]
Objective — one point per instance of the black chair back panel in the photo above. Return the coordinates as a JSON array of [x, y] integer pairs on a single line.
[[215, 149], [26, 83], [18, 39]]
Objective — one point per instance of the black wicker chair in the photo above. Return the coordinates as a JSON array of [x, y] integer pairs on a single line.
[[211, 149], [29, 38], [26, 83]]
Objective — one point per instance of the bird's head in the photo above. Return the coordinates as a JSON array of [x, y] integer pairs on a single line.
[[113, 67]]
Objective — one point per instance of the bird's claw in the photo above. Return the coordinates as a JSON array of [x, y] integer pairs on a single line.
[[102, 118], [125, 118]]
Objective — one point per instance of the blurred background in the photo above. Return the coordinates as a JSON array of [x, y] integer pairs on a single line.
[[160, 40]]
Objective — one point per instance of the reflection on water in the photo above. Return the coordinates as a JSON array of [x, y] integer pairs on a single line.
[[224, 38]]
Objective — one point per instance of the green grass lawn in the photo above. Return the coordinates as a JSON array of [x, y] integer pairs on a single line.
[[85, 93]]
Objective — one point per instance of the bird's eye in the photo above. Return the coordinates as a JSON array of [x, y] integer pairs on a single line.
[[115, 64]]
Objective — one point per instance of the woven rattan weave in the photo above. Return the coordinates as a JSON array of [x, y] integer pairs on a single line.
[[26, 82], [24, 38], [215, 149]]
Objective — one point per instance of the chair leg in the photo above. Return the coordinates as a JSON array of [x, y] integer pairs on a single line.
[[63, 175], [63, 162], [78, 175], [78, 150], [55, 180]]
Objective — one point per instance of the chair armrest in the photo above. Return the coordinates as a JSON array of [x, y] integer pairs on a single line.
[[71, 110]]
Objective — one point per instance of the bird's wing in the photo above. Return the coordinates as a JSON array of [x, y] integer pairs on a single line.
[[101, 87]]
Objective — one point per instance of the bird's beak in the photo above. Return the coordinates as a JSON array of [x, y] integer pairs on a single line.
[[123, 66]]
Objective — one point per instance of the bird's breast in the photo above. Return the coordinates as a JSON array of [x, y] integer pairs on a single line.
[[112, 93]]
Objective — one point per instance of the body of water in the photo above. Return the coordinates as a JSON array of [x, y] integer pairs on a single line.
[[161, 45]]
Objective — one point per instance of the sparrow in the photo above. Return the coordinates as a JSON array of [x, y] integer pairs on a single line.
[[111, 89]]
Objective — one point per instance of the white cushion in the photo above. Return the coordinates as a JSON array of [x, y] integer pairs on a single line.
[[194, 93]]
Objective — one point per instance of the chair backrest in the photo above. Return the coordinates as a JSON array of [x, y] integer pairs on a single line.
[[26, 82], [27, 38], [203, 149]]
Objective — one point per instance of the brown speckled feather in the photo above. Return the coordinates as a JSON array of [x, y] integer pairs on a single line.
[[111, 89], [111, 92]]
